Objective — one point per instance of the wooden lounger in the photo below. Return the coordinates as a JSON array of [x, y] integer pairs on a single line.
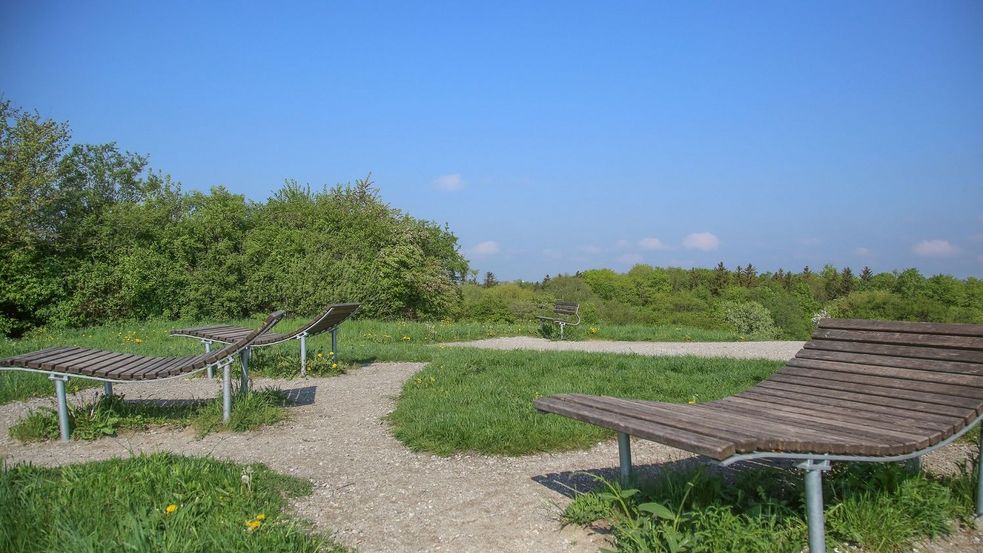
[[62, 363], [873, 391], [327, 321]]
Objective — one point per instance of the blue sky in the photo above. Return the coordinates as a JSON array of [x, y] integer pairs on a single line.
[[558, 136]]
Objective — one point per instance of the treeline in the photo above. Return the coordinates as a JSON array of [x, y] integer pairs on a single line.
[[90, 234], [780, 304]]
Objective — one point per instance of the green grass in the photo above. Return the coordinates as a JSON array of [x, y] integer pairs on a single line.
[[879, 507], [360, 341], [121, 505], [109, 415], [480, 400]]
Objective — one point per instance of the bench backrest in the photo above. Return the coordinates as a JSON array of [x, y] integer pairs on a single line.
[[911, 366], [566, 308], [330, 318]]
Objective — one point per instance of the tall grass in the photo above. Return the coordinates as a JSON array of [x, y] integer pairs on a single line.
[[879, 507], [160, 503], [470, 400]]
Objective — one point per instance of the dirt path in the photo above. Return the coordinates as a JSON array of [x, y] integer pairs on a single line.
[[742, 350], [370, 490]]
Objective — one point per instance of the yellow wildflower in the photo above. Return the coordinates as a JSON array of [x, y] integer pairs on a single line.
[[170, 508], [261, 517], [320, 355], [334, 365], [138, 340], [253, 524], [330, 354]]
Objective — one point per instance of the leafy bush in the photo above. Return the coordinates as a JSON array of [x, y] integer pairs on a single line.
[[749, 318]]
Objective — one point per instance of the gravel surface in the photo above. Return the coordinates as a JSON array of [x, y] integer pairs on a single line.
[[375, 494], [742, 350]]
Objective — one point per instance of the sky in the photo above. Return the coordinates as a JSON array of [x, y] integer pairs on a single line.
[[553, 137]]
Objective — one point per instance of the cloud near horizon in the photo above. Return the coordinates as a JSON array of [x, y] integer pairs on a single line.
[[705, 241], [488, 247], [934, 248], [449, 183], [651, 244]]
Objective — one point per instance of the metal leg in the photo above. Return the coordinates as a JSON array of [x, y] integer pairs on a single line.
[[914, 465], [814, 504], [979, 477], [107, 389], [226, 392], [561, 331], [624, 456], [303, 355], [334, 342], [60, 381], [244, 356], [208, 349]]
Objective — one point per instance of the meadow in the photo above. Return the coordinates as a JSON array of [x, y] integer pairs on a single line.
[[463, 401]]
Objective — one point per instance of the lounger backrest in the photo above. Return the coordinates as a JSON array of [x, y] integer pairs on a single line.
[[239, 345], [902, 363], [332, 317], [566, 308]]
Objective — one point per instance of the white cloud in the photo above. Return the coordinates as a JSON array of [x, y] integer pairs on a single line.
[[488, 247], [630, 259], [862, 252], [701, 241], [934, 248], [651, 244], [449, 183]]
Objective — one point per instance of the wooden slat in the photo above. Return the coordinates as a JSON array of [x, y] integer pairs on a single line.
[[955, 329], [69, 353], [781, 395], [833, 385], [833, 413], [95, 366], [956, 367], [895, 402], [650, 430], [900, 338], [956, 379], [91, 355], [913, 386], [22, 359], [967, 356]]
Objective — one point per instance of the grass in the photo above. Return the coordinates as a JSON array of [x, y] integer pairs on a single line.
[[109, 415], [360, 341], [122, 505], [481, 401], [879, 507]]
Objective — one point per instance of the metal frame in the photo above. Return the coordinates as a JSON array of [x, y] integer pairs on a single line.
[[814, 464], [60, 378]]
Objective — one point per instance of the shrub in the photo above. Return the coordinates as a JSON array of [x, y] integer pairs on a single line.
[[749, 318]]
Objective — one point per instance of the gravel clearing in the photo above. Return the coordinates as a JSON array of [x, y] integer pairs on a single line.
[[741, 350], [377, 495]]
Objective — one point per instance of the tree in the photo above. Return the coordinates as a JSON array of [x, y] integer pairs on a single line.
[[866, 274], [847, 282], [720, 279], [489, 280]]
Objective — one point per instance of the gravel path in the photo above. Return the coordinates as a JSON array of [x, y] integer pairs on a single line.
[[370, 490], [742, 350]]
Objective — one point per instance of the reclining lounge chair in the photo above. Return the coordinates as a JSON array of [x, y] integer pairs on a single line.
[[62, 363], [874, 391], [327, 321]]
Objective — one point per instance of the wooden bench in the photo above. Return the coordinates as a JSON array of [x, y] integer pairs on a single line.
[[565, 311], [874, 391], [327, 321], [62, 363]]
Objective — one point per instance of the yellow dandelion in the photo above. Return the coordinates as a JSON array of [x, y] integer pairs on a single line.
[[170, 508], [138, 340], [261, 517], [253, 524], [320, 355], [334, 365], [330, 354]]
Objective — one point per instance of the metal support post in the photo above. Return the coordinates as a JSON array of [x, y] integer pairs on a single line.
[[107, 389], [303, 354], [244, 356], [979, 477], [624, 456], [208, 349], [814, 504], [226, 392], [334, 341], [60, 381], [561, 331]]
